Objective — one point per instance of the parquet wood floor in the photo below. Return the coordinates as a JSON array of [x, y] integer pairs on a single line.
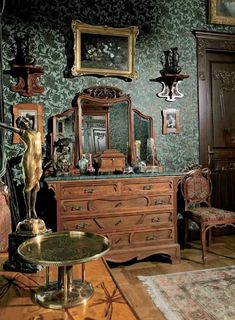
[[220, 253]]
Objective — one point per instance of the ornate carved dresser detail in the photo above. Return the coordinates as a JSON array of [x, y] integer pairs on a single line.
[[138, 214]]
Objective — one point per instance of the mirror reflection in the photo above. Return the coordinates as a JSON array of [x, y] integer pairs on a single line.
[[94, 134], [119, 127], [63, 139], [104, 116], [143, 131]]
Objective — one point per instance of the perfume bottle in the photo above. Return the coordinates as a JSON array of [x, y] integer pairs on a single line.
[[90, 168]]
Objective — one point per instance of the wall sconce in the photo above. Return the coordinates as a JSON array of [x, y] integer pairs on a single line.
[[171, 75]]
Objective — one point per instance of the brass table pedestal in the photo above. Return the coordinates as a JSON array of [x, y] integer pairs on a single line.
[[64, 249]]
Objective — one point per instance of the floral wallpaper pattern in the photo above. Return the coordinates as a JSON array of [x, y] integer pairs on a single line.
[[162, 24]]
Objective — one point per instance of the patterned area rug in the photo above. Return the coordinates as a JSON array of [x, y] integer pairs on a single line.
[[195, 295]]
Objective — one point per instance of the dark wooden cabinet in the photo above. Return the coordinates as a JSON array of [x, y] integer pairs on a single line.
[[138, 214]]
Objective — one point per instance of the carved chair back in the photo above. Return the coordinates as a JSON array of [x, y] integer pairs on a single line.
[[197, 188]]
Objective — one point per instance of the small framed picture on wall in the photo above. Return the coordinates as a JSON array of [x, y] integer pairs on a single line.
[[32, 111], [170, 121]]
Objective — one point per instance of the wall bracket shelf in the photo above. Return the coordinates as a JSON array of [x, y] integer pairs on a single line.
[[170, 82], [27, 76]]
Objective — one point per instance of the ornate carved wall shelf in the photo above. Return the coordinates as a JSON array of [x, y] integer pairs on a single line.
[[27, 76], [170, 82]]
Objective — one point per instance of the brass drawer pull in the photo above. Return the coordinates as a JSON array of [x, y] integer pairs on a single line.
[[159, 202], [147, 187], [156, 219], [81, 226], [151, 237], [76, 208], [118, 204], [118, 222], [89, 190]]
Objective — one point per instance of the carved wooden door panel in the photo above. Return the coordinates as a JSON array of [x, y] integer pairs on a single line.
[[216, 79], [220, 75]]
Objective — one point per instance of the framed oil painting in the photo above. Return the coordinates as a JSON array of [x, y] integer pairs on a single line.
[[102, 50], [222, 12], [32, 111], [171, 123]]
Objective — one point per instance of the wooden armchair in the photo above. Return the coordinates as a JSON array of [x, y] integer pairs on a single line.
[[196, 189]]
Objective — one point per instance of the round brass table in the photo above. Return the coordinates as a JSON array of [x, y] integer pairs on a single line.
[[64, 249]]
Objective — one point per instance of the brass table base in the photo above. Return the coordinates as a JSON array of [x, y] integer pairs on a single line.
[[53, 297], [64, 250]]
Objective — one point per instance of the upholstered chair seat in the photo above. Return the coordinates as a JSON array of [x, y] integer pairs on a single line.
[[211, 214]]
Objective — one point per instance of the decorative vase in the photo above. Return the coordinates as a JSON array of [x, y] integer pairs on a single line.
[[83, 163]]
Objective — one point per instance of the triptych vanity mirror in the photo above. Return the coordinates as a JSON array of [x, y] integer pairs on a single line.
[[102, 118]]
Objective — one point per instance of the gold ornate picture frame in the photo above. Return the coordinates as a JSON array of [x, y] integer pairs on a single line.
[[103, 50], [34, 112], [171, 123], [222, 12]]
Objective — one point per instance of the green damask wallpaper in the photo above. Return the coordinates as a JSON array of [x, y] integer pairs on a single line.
[[162, 23]]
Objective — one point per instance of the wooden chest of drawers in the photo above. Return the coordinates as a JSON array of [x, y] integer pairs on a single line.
[[138, 214]]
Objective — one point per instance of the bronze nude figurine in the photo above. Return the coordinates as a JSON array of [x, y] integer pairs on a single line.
[[32, 168]]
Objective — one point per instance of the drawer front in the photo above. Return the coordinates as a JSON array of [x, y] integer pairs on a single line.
[[119, 223], [153, 236], [158, 219], [112, 204], [106, 224], [139, 221], [147, 187], [142, 238], [88, 190]]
